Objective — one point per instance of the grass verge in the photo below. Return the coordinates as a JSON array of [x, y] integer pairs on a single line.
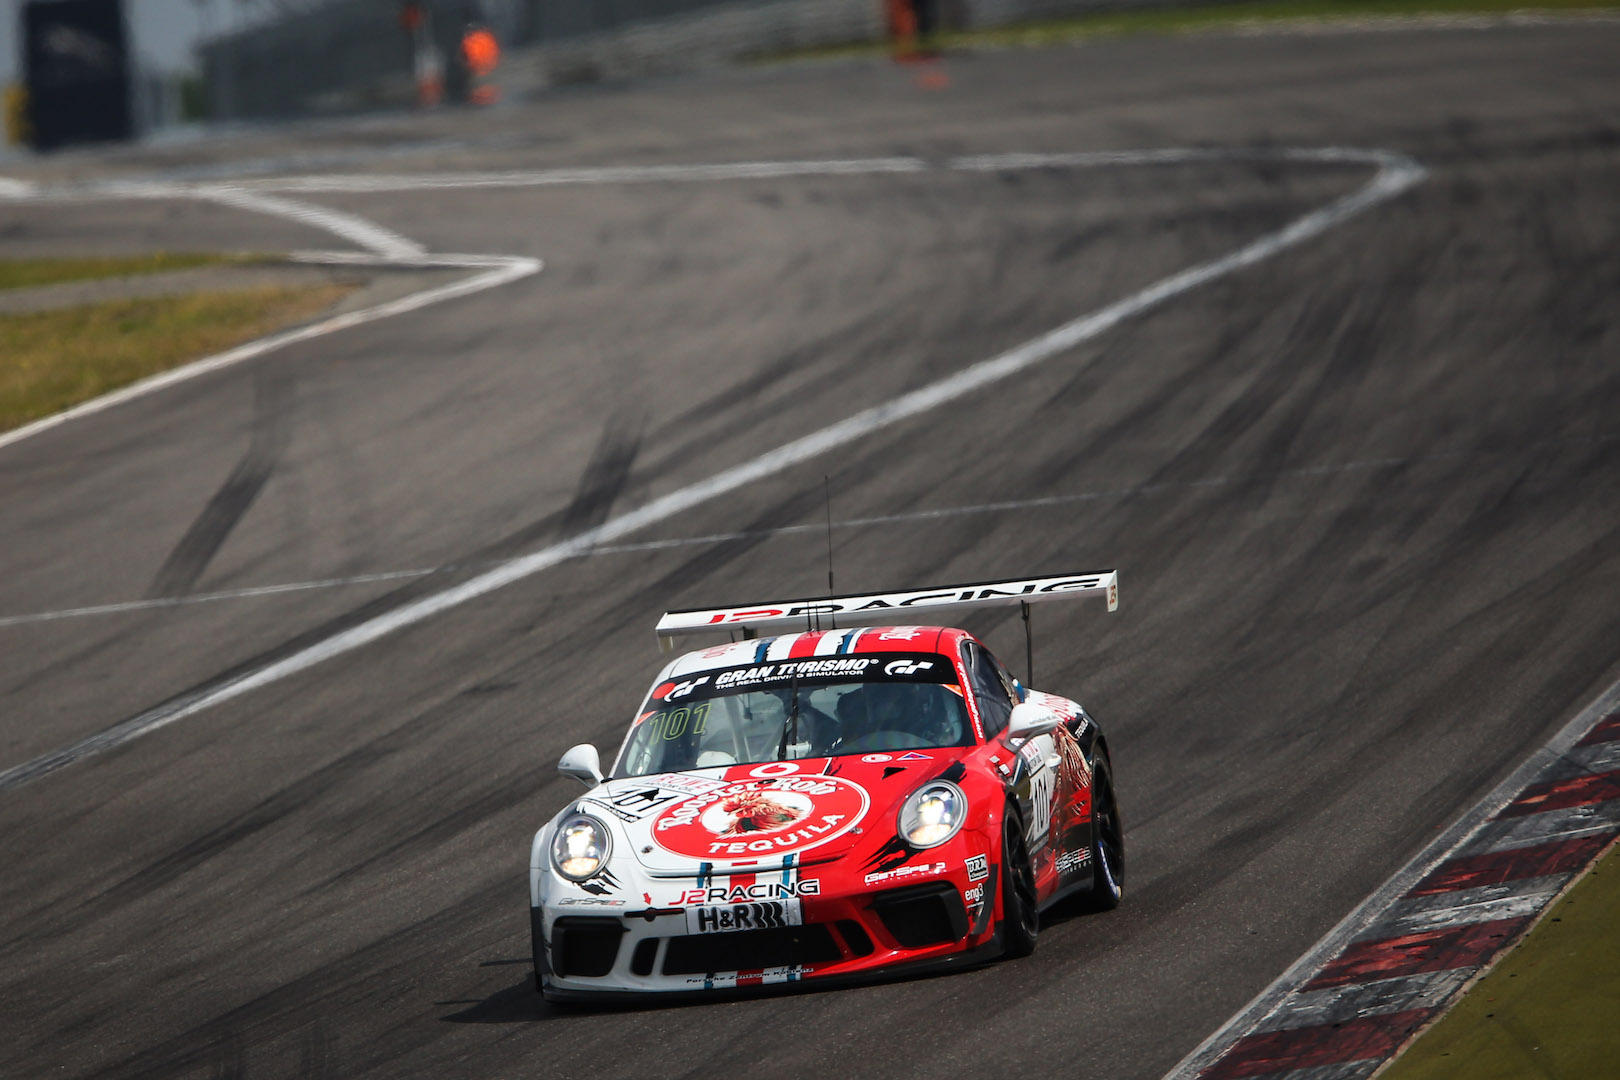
[[52, 360], [29, 273], [1547, 1009], [1206, 16]]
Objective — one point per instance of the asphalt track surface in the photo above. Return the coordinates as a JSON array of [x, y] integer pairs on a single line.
[[1362, 496]]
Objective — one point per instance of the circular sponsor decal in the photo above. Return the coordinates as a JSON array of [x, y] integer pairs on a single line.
[[762, 817], [775, 768], [873, 759]]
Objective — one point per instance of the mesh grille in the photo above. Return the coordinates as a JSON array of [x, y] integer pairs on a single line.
[[747, 950]]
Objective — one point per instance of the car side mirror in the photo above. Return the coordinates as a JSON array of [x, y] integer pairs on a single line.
[[583, 763], [1029, 720]]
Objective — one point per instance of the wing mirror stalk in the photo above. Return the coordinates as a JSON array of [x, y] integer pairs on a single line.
[[582, 763]]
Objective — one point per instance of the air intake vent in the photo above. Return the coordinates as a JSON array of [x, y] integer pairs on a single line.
[[584, 946], [749, 950], [641, 961], [922, 915], [855, 937]]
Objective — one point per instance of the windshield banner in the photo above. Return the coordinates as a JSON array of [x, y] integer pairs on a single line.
[[812, 671]]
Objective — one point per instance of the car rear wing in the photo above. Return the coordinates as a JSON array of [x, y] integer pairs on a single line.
[[828, 612]]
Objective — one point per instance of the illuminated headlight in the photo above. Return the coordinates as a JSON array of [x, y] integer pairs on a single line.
[[933, 814], [580, 847]]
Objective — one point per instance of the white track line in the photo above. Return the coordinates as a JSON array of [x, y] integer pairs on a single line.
[[1441, 849], [1396, 173], [388, 248], [371, 183], [357, 230], [622, 174], [120, 607], [383, 248], [503, 271]]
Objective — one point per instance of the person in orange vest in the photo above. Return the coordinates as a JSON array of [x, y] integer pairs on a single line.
[[912, 24], [426, 65], [482, 54]]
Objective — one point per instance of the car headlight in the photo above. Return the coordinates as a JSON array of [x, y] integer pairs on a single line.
[[933, 814], [580, 847]]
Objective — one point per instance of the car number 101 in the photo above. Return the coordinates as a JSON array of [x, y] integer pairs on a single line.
[[726, 918]]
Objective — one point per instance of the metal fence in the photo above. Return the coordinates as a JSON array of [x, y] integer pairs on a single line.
[[343, 56], [560, 20]]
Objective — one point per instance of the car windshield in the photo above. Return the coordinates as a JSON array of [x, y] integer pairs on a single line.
[[798, 709]]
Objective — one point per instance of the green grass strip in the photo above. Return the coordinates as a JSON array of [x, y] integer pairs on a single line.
[[29, 273], [1550, 1008], [1210, 16], [52, 360]]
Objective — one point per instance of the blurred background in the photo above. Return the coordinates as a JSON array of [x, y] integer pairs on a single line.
[[76, 70], [1363, 491], [80, 70]]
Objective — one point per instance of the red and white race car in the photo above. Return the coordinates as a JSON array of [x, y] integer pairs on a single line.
[[827, 804]]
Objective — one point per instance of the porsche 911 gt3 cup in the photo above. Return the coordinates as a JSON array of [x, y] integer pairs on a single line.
[[827, 804]]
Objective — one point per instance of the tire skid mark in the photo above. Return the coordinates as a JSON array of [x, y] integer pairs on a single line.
[[1395, 173], [272, 398]]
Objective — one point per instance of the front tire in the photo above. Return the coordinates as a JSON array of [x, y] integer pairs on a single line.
[[1107, 841], [1020, 913]]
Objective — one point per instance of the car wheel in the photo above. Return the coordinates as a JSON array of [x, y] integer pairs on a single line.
[[1020, 914], [1107, 842]]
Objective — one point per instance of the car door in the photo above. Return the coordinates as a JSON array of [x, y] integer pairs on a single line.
[[1036, 782], [1057, 803]]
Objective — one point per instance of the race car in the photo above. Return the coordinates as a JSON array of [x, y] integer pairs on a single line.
[[836, 803]]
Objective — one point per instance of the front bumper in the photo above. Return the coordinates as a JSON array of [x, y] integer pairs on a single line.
[[947, 920]]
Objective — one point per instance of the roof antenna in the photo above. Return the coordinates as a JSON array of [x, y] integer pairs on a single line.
[[1029, 646], [826, 487]]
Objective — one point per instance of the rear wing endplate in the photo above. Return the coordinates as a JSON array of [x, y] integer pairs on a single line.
[[826, 612]]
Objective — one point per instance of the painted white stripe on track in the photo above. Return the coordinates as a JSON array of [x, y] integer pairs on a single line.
[[1396, 173], [365, 183], [707, 539], [126, 606], [356, 230], [1368, 999], [1444, 918], [1494, 842], [374, 183], [390, 248], [1479, 894], [509, 269]]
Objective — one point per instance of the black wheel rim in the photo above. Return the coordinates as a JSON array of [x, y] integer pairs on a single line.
[[1023, 877]]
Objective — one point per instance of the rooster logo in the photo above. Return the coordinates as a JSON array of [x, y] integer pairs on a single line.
[[757, 812]]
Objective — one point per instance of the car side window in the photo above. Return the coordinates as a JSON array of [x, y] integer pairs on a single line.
[[995, 705], [1007, 680]]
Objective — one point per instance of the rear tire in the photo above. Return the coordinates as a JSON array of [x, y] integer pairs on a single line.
[[1107, 842], [1020, 913]]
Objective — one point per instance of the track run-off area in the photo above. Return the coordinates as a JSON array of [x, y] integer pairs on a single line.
[[1322, 363]]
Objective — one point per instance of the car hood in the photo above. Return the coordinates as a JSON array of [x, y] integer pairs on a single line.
[[754, 818]]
